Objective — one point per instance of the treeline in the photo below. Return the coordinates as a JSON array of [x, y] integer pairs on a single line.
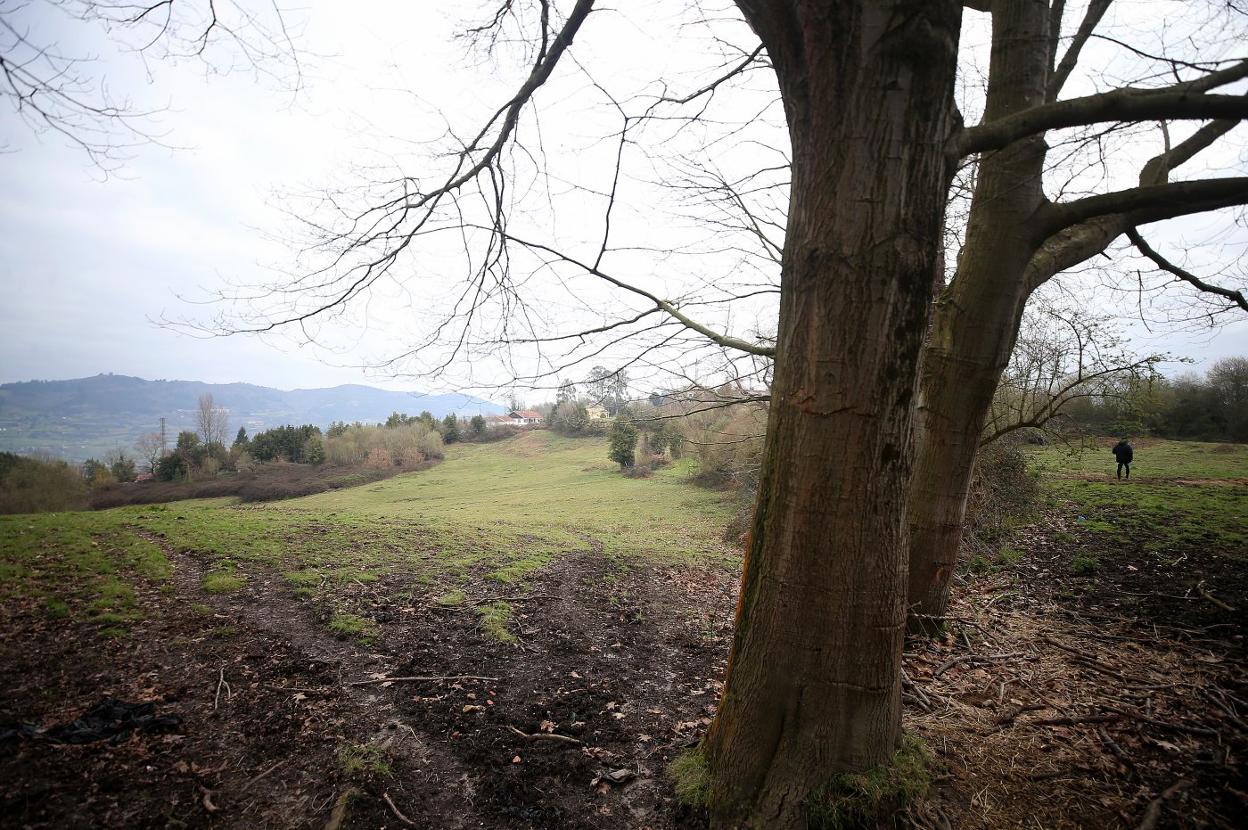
[[281, 462], [1192, 407]]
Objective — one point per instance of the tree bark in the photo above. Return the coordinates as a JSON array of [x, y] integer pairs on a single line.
[[813, 683], [976, 318]]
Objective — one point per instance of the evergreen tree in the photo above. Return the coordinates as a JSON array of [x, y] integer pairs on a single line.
[[623, 440]]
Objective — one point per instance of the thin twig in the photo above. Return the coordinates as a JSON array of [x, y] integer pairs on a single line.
[[1200, 589], [974, 658], [546, 736], [431, 678], [1153, 814], [216, 701], [269, 769], [1161, 724], [398, 814]]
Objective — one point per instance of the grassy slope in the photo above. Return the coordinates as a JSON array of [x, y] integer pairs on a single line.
[[500, 510], [1180, 493]]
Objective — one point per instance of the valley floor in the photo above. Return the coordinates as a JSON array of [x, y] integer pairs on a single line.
[[561, 634]]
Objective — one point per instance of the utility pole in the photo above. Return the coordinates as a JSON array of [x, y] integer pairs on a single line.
[[163, 444]]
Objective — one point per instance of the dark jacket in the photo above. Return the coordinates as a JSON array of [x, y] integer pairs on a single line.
[[1123, 452]]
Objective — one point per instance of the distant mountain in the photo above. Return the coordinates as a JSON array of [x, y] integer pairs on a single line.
[[77, 419]]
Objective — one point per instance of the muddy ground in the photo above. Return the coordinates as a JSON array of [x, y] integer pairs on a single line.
[[1114, 700]]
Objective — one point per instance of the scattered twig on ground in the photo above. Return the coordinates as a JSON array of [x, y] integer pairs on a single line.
[[1200, 589], [266, 771], [1074, 719], [1230, 713], [1161, 724], [546, 736], [1007, 717], [1153, 814], [1115, 748], [216, 700], [397, 812], [441, 678], [974, 658]]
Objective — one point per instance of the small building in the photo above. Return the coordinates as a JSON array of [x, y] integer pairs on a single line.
[[524, 417], [596, 412]]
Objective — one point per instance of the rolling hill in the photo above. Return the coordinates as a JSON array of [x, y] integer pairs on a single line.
[[76, 419]]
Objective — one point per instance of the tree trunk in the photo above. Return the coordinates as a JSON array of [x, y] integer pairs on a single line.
[[977, 317], [813, 681]]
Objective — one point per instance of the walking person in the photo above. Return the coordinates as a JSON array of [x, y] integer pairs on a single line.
[[1124, 453]]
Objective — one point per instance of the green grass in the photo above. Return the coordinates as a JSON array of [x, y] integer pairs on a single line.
[[223, 581], [690, 778], [523, 502], [1155, 460], [1084, 564], [451, 599], [349, 625], [500, 511], [360, 760], [1183, 498], [494, 619], [77, 568]]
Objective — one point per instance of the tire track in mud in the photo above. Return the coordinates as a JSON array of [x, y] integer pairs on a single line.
[[425, 776]]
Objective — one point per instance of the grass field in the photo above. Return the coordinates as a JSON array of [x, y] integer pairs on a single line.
[[498, 510], [1180, 493]]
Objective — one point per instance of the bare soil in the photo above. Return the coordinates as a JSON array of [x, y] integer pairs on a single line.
[[1053, 701]]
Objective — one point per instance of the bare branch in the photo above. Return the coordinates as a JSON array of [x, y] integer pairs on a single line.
[[1164, 264], [1188, 100], [1095, 11], [1145, 204]]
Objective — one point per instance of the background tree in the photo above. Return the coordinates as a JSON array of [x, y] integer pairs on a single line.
[[1017, 238], [477, 425], [1062, 356], [450, 429], [211, 421], [149, 448], [120, 465], [623, 438]]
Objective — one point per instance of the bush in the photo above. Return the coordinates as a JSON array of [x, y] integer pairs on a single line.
[[623, 440], [288, 443], [1002, 492], [378, 459], [408, 443], [37, 485], [729, 447]]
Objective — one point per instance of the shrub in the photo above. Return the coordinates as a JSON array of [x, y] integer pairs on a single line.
[[36, 485], [623, 440], [728, 445], [1002, 491], [450, 429], [287, 443]]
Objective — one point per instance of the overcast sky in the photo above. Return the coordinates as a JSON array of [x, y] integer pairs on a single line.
[[88, 262]]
